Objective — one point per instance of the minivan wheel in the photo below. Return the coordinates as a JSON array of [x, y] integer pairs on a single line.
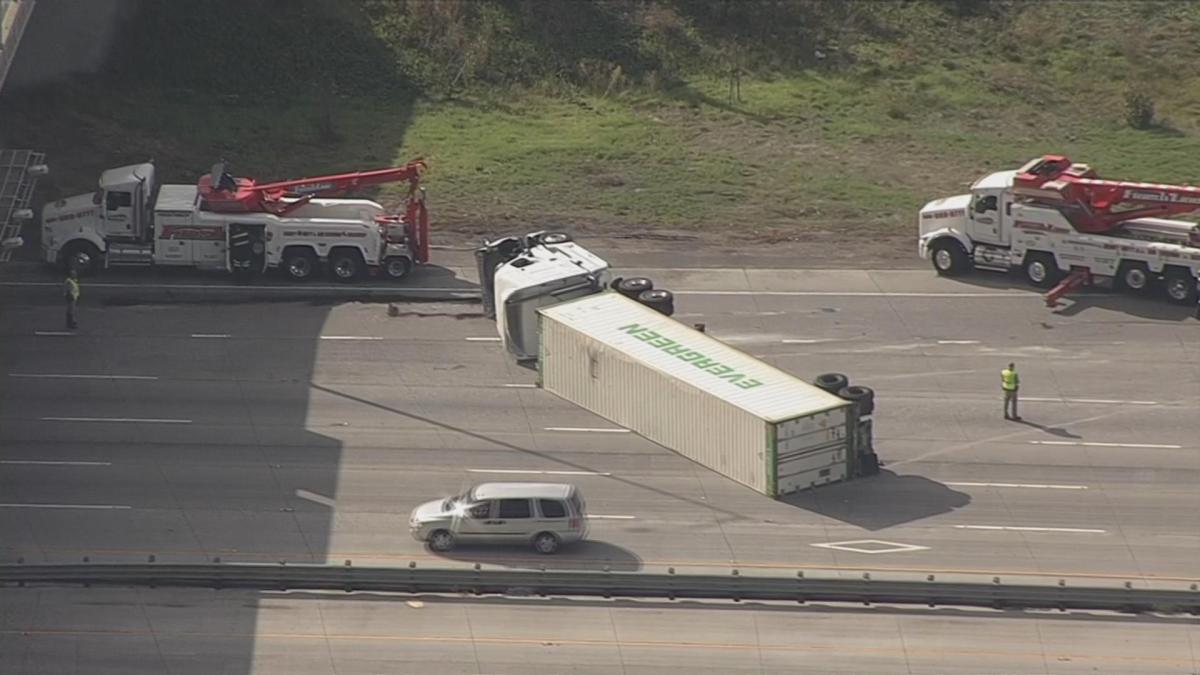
[[441, 541], [545, 543]]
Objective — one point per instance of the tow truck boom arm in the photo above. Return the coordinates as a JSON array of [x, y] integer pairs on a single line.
[[219, 191], [1094, 205]]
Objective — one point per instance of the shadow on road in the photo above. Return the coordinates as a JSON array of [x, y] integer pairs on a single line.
[[1150, 305], [881, 501], [586, 555]]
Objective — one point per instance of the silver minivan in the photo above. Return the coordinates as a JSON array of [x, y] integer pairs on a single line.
[[544, 515]]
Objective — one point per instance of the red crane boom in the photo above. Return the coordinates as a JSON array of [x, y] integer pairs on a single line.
[[223, 193], [1094, 205]]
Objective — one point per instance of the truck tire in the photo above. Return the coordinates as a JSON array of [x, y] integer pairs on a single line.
[[634, 286], [832, 382], [397, 267], [1133, 277], [1180, 286], [299, 263], [552, 238], [82, 256], [864, 397], [346, 265], [949, 258], [659, 300], [1041, 270]]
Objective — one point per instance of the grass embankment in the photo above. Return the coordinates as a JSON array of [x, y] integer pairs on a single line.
[[914, 110]]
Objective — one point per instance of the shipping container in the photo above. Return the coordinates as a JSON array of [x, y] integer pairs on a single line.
[[690, 393]]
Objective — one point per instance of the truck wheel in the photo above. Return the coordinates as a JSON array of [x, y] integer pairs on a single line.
[[299, 264], [397, 267], [346, 266], [1133, 277], [634, 286], [950, 258], [1041, 270], [659, 300], [1180, 287], [832, 382], [555, 238], [863, 396], [82, 256]]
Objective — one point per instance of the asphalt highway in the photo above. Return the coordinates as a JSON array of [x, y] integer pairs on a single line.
[[203, 632], [306, 431]]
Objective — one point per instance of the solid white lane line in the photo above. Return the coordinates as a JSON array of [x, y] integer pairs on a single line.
[[958, 342], [588, 430], [256, 287], [316, 498], [46, 333], [46, 462], [806, 341], [483, 339], [349, 337], [104, 507], [1006, 528], [113, 419], [857, 294], [56, 376], [1036, 486], [1087, 400], [592, 516], [1093, 444], [541, 473], [522, 386], [211, 335]]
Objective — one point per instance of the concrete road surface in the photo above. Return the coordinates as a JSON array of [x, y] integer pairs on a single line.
[[135, 632]]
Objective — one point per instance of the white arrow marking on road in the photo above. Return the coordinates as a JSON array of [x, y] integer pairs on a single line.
[[1109, 445], [1007, 528]]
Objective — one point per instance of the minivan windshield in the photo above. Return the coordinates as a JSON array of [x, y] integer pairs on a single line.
[[465, 498]]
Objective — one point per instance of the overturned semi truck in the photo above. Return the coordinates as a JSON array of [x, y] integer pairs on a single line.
[[610, 346]]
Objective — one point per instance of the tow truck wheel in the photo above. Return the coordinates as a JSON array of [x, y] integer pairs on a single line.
[[1133, 277], [299, 264], [1180, 287], [950, 258], [82, 256], [1041, 270], [551, 238], [346, 266], [397, 267]]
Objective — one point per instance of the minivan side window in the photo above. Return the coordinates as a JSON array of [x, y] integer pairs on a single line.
[[552, 509], [480, 511], [515, 508]]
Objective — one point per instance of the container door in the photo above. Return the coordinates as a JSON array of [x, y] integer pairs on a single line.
[[811, 451]]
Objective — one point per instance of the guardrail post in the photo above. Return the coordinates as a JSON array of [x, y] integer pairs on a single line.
[[282, 575], [867, 597], [671, 583], [478, 579], [542, 582], [997, 596], [1062, 583], [800, 595], [412, 576], [608, 582], [737, 586], [1194, 608], [349, 578]]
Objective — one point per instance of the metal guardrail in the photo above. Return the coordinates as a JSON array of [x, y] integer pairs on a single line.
[[802, 587]]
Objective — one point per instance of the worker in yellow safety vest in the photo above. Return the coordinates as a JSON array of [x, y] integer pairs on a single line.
[[1010, 382], [71, 295]]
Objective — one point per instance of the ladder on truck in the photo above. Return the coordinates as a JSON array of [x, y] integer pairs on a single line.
[[19, 171]]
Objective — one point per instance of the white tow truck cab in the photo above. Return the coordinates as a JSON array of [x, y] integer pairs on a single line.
[[132, 220], [1001, 226]]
